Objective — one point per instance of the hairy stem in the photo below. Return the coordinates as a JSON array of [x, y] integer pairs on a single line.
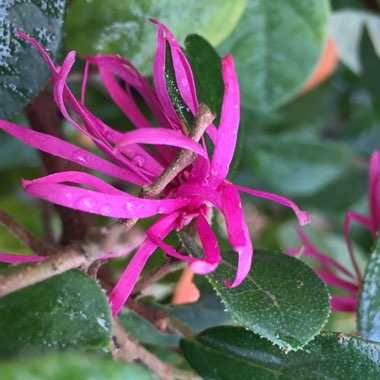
[[129, 350]]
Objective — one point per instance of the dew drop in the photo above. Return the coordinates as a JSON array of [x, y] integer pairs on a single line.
[[139, 161], [161, 209], [184, 82], [105, 209], [129, 207], [80, 157], [85, 203]]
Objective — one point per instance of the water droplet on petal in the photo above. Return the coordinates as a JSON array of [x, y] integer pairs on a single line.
[[105, 209], [80, 156], [129, 207], [184, 82], [85, 203], [139, 161], [161, 209]]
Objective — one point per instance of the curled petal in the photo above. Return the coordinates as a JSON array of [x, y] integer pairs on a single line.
[[302, 216], [229, 122], [11, 258], [161, 136], [160, 82], [96, 202], [182, 69]]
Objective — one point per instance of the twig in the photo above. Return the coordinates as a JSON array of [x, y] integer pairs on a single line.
[[156, 317], [38, 247], [184, 158], [21, 277], [43, 116], [130, 350], [168, 266]]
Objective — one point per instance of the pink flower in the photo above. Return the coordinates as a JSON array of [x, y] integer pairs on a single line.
[[332, 273], [190, 195]]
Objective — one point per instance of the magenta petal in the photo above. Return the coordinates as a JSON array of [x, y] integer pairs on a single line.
[[233, 213], [229, 122], [351, 215], [63, 149], [11, 258], [245, 259], [205, 192], [182, 69], [161, 136], [310, 250], [333, 279], [339, 303], [302, 216], [208, 240], [124, 100], [238, 233], [160, 82], [111, 205], [128, 279]]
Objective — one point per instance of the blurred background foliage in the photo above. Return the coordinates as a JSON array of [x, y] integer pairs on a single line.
[[309, 140]]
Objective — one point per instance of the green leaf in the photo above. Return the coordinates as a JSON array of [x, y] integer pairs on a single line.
[[71, 367], [281, 299], [207, 70], [370, 63], [346, 28], [144, 332], [369, 298], [113, 26], [65, 312], [178, 103], [307, 165], [276, 46], [23, 71], [234, 353]]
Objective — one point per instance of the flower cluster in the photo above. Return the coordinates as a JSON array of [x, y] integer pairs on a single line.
[[190, 195], [332, 271]]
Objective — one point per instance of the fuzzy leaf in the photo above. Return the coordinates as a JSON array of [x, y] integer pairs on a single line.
[[65, 312], [234, 353], [276, 46], [23, 71], [369, 299]]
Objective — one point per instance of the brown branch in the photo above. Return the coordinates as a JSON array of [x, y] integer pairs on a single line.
[[129, 350], [43, 116], [21, 277], [37, 246]]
